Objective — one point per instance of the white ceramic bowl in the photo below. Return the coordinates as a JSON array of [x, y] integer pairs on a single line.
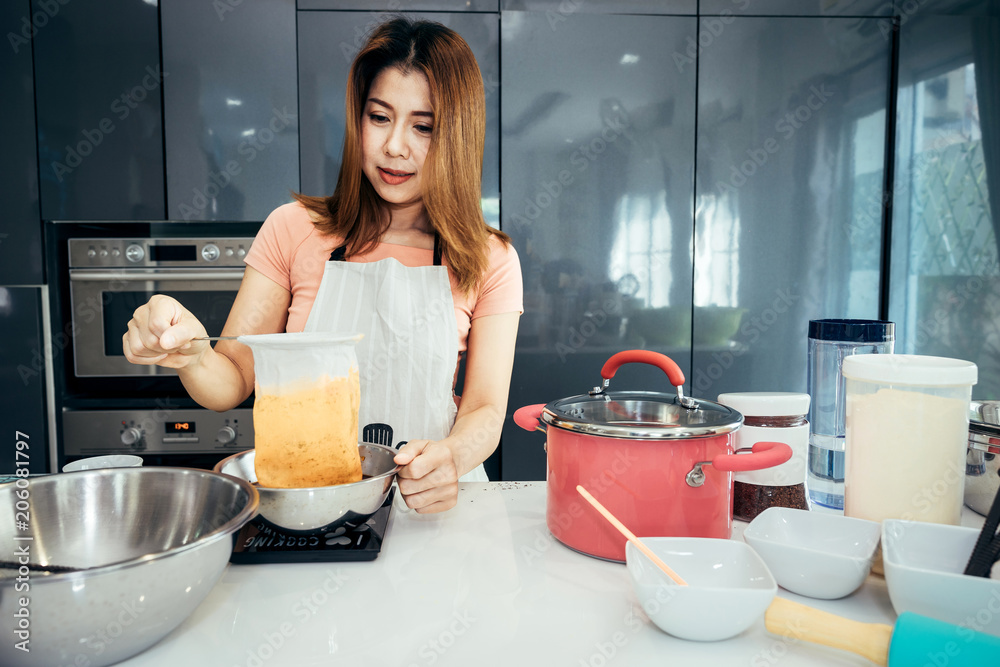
[[923, 570], [109, 461], [819, 555], [728, 590]]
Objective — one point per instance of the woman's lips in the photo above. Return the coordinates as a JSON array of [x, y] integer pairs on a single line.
[[393, 177]]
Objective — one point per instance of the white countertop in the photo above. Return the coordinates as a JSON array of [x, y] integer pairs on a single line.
[[482, 584]]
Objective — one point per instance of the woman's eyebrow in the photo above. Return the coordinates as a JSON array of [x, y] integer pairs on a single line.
[[429, 114]]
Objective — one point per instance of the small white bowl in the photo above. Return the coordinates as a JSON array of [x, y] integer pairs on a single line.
[[819, 555], [109, 461], [729, 587], [923, 570]]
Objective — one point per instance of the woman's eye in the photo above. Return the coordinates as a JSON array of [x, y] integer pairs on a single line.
[[378, 118], [424, 129]]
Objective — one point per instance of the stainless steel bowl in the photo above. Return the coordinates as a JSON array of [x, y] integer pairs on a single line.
[[155, 541], [321, 507], [982, 461]]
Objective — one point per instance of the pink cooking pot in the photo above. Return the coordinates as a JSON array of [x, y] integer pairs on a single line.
[[661, 463]]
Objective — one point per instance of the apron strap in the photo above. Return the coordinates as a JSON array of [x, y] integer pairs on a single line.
[[338, 254]]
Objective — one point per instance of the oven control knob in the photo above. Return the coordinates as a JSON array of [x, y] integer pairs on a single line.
[[226, 436], [132, 437], [134, 253], [210, 252]]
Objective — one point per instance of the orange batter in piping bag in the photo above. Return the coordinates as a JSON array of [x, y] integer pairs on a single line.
[[306, 433]]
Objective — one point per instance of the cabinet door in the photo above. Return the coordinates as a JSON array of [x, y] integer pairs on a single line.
[[328, 42], [21, 235], [22, 381], [230, 108], [791, 135], [598, 160], [98, 84], [945, 281]]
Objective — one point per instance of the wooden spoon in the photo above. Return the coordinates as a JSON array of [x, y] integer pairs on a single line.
[[628, 534]]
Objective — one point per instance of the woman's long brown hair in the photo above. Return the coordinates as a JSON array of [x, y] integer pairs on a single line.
[[453, 167]]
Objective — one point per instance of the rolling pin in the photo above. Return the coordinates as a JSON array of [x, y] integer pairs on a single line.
[[914, 640]]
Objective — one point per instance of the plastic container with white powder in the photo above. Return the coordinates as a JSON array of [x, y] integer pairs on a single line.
[[907, 434]]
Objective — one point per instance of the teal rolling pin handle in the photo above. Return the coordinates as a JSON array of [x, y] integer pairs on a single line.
[[918, 640], [913, 641]]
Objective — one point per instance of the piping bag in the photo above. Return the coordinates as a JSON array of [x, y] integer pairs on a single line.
[[913, 640]]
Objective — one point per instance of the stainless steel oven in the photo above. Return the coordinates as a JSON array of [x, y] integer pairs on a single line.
[[110, 278], [108, 405]]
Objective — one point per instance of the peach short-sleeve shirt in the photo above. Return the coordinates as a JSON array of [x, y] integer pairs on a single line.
[[289, 250]]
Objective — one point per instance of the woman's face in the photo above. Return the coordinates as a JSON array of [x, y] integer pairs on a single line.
[[396, 128]]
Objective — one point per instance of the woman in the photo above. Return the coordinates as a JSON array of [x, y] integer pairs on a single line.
[[401, 239]]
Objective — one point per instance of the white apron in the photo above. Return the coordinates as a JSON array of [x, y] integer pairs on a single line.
[[407, 357]]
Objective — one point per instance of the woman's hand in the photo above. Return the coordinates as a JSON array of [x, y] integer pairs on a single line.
[[161, 332], [429, 477]]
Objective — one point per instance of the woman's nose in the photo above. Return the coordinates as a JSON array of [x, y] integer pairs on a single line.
[[395, 143]]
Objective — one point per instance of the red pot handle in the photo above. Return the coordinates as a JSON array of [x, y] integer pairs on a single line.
[[763, 455], [527, 417], [661, 361]]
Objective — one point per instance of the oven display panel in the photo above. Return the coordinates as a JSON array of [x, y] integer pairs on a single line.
[[179, 428], [173, 253]]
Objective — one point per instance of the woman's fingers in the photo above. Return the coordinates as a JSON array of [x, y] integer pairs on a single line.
[[409, 452], [159, 330], [429, 478], [434, 499]]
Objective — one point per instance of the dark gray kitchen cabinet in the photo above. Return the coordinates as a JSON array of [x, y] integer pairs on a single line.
[[328, 42], [597, 135], [791, 139], [377, 13], [21, 229], [98, 83], [22, 381], [945, 273], [231, 120]]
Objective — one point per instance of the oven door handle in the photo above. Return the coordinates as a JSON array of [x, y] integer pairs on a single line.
[[157, 276]]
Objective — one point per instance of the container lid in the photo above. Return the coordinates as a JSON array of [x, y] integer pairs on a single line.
[[855, 331], [641, 415], [767, 403], [285, 341], [910, 369]]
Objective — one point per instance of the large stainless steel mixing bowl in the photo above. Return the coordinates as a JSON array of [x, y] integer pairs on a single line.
[[156, 541], [322, 507]]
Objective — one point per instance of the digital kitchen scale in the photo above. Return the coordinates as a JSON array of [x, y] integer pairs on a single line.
[[260, 542]]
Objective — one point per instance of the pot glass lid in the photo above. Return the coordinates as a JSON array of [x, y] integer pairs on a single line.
[[641, 415]]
